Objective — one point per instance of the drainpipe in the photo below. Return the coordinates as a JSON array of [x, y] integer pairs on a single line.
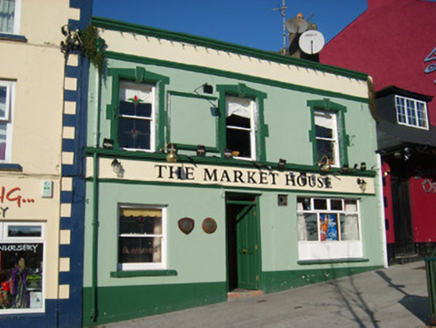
[[382, 211], [95, 202]]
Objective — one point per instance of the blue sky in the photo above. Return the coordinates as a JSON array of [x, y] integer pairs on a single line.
[[250, 23]]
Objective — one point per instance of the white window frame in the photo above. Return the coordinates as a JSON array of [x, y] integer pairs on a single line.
[[152, 117], [8, 117], [5, 239], [329, 249], [334, 140], [17, 19], [402, 112], [252, 130], [145, 266]]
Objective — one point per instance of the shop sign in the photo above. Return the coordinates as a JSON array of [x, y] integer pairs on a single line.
[[11, 196]]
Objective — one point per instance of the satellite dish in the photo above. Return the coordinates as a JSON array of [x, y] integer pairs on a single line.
[[311, 42], [296, 25]]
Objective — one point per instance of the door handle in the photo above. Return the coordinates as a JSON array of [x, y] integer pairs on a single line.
[[244, 251]]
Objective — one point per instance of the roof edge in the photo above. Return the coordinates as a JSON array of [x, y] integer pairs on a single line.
[[116, 25]]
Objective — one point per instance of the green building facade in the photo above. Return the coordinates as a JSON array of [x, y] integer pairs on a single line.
[[213, 168]]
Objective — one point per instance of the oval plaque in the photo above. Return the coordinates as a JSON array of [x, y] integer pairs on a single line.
[[186, 225], [209, 225]]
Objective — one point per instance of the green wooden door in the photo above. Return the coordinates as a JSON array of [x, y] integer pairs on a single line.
[[247, 247]]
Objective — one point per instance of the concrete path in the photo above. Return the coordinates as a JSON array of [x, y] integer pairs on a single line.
[[393, 297]]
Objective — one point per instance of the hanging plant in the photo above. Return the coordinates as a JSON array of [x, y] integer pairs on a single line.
[[92, 46], [86, 42]]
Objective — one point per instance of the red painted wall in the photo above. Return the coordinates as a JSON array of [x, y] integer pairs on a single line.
[[390, 42], [423, 203]]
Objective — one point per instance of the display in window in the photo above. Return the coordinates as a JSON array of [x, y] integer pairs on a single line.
[[140, 238], [21, 276]]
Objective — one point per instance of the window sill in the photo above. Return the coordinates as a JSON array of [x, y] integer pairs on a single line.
[[10, 167], [13, 37], [350, 260], [144, 273]]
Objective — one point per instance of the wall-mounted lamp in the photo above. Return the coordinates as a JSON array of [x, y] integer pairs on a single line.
[[108, 143], [172, 153], [362, 184], [201, 150], [117, 168], [207, 88], [324, 163], [228, 153], [363, 166], [281, 165], [345, 168]]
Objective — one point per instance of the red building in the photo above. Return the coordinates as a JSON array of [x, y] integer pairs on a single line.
[[394, 41]]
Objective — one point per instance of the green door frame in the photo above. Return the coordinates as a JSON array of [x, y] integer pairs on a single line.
[[247, 259]]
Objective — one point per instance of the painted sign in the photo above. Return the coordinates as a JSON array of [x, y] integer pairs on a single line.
[[431, 67], [187, 173]]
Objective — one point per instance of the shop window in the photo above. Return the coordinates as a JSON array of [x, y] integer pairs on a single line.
[[10, 16], [21, 267], [328, 134], [136, 116], [6, 105], [328, 228], [411, 112], [141, 241], [240, 136]]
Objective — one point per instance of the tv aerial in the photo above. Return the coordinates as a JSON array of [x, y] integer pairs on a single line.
[[297, 24]]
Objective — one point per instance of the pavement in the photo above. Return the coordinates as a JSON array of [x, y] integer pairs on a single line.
[[393, 297]]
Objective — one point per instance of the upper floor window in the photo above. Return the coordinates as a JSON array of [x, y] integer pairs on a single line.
[[6, 100], [136, 102], [136, 116], [326, 137], [240, 127], [9, 16], [411, 112]]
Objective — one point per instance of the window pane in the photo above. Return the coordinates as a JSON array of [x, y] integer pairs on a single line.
[[320, 204], [336, 205], [411, 116], [238, 121], [3, 140], [3, 102], [134, 133], [7, 13], [138, 109], [240, 141], [422, 119], [328, 224], [303, 204], [139, 224], [350, 205], [21, 275], [349, 227], [401, 111], [325, 148], [24, 231], [139, 250], [307, 227]]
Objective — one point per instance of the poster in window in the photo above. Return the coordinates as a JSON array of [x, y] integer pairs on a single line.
[[328, 226]]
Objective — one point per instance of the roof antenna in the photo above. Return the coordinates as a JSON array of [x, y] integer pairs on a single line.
[[283, 13]]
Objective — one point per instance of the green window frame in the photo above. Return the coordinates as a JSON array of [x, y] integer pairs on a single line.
[[141, 76], [342, 138], [260, 128]]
